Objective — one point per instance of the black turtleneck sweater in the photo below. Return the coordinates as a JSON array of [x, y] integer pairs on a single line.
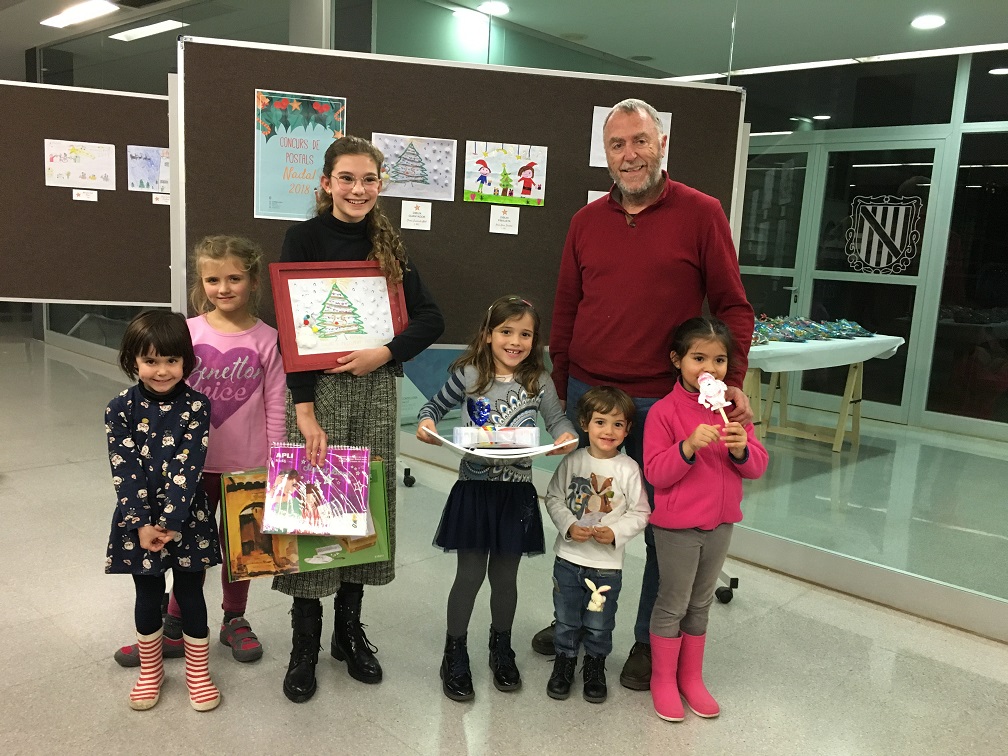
[[325, 238]]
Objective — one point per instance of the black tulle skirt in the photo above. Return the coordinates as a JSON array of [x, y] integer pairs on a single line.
[[491, 516]]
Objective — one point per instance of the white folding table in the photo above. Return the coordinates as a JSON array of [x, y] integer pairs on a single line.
[[781, 357]]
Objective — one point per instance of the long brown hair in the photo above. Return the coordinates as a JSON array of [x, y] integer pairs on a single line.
[[480, 355], [386, 243]]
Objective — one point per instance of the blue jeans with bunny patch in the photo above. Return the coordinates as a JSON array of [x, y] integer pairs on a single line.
[[575, 623]]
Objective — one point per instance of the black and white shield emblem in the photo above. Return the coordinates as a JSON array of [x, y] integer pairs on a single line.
[[883, 237]]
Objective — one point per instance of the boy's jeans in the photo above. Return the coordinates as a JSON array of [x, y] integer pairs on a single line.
[[574, 622]]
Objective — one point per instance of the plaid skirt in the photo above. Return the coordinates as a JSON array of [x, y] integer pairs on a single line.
[[353, 411]]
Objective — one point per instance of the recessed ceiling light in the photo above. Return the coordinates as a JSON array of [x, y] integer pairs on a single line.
[[998, 71], [821, 117], [147, 31], [494, 8], [80, 13], [929, 21]]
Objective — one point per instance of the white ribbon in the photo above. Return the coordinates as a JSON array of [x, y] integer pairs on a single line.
[[532, 451]]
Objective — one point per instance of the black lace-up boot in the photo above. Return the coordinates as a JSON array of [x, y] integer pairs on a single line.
[[306, 622], [457, 679], [595, 690], [502, 661], [560, 681], [349, 643]]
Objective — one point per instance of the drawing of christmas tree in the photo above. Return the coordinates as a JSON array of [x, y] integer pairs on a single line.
[[338, 316], [409, 167], [505, 180]]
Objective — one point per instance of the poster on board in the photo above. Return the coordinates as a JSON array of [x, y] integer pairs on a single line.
[[505, 173], [147, 169], [79, 165], [417, 167], [292, 133]]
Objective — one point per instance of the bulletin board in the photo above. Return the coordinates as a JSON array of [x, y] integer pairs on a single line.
[[54, 248], [463, 265]]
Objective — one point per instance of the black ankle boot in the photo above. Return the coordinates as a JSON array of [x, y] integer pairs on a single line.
[[306, 621], [559, 684], [595, 690], [455, 672], [350, 644], [502, 661]]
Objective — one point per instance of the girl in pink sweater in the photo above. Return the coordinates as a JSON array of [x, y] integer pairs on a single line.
[[696, 464], [238, 368]]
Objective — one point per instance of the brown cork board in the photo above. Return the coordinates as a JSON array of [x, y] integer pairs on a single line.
[[464, 265], [54, 248]]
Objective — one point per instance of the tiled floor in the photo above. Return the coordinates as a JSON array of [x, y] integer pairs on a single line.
[[797, 669]]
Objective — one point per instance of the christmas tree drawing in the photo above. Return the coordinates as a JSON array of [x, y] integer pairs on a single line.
[[338, 316], [505, 180], [409, 167]]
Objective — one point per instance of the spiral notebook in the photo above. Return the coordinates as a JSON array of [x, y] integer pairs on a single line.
[[327, 499]]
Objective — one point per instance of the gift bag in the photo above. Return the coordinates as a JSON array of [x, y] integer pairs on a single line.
[[250, 553]]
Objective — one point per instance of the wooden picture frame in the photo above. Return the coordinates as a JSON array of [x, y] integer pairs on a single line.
[[325, 310]]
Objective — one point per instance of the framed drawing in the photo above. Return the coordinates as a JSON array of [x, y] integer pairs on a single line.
[[325, 310]]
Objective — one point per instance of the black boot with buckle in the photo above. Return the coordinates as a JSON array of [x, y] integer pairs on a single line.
[[506, 677], [349, 643], [595, 690], [306, 621], [457, 679]]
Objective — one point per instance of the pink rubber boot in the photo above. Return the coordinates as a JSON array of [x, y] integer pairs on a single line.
[[664, 689], [690, 677]]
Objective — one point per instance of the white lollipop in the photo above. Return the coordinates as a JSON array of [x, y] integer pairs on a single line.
[[712, 394]]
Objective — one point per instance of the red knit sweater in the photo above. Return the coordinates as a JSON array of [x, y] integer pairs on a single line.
[[623, 288]]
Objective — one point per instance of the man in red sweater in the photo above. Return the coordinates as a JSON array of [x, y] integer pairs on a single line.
[[635, 265]]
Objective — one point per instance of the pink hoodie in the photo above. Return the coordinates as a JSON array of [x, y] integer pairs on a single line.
[[702, 493]]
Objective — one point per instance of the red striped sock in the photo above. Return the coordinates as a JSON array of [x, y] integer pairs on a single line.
[[148, 688], [203, 694]]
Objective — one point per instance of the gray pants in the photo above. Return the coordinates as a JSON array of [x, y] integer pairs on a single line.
[[689, 563]]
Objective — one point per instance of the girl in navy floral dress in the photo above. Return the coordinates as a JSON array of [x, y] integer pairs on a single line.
[[157, 434]]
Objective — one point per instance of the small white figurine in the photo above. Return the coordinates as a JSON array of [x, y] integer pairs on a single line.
[[597, 599], [712, 394]]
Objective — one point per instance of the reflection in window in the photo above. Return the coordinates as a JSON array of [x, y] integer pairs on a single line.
[[987, 95], [769, 295], [880, 308], [874, 211], [772, 209], [969, 371]]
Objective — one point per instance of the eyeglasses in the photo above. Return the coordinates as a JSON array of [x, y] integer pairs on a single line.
[[348, 181]]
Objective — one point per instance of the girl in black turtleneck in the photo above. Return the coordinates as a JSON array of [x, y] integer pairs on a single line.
[[353, 404]]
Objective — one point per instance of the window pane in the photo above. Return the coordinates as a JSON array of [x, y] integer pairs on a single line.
[[987, 96], [879, 307], [99, 324], [874, 210], [772, 209], [969, 371], [893, 93], [768, 295]]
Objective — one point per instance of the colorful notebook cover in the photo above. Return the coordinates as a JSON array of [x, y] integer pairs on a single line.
[[249, 552], [328, 499]]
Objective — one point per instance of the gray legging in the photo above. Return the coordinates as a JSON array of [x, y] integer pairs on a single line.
[[473, 568], [689, 562]]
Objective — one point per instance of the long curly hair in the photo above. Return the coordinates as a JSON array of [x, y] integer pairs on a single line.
[[479, 354], [386, 243]]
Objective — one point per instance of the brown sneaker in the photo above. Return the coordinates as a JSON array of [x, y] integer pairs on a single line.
[[636, 674]]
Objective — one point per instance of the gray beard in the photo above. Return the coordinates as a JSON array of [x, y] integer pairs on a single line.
[[647, 192]]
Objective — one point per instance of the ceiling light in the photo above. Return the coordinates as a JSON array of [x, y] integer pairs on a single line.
[[928, 21], [147, 31], [794, 66], [941, 52], [821, 117], [696, 77], [770, 133], [494, 8], [998, 71], [80, 13]]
